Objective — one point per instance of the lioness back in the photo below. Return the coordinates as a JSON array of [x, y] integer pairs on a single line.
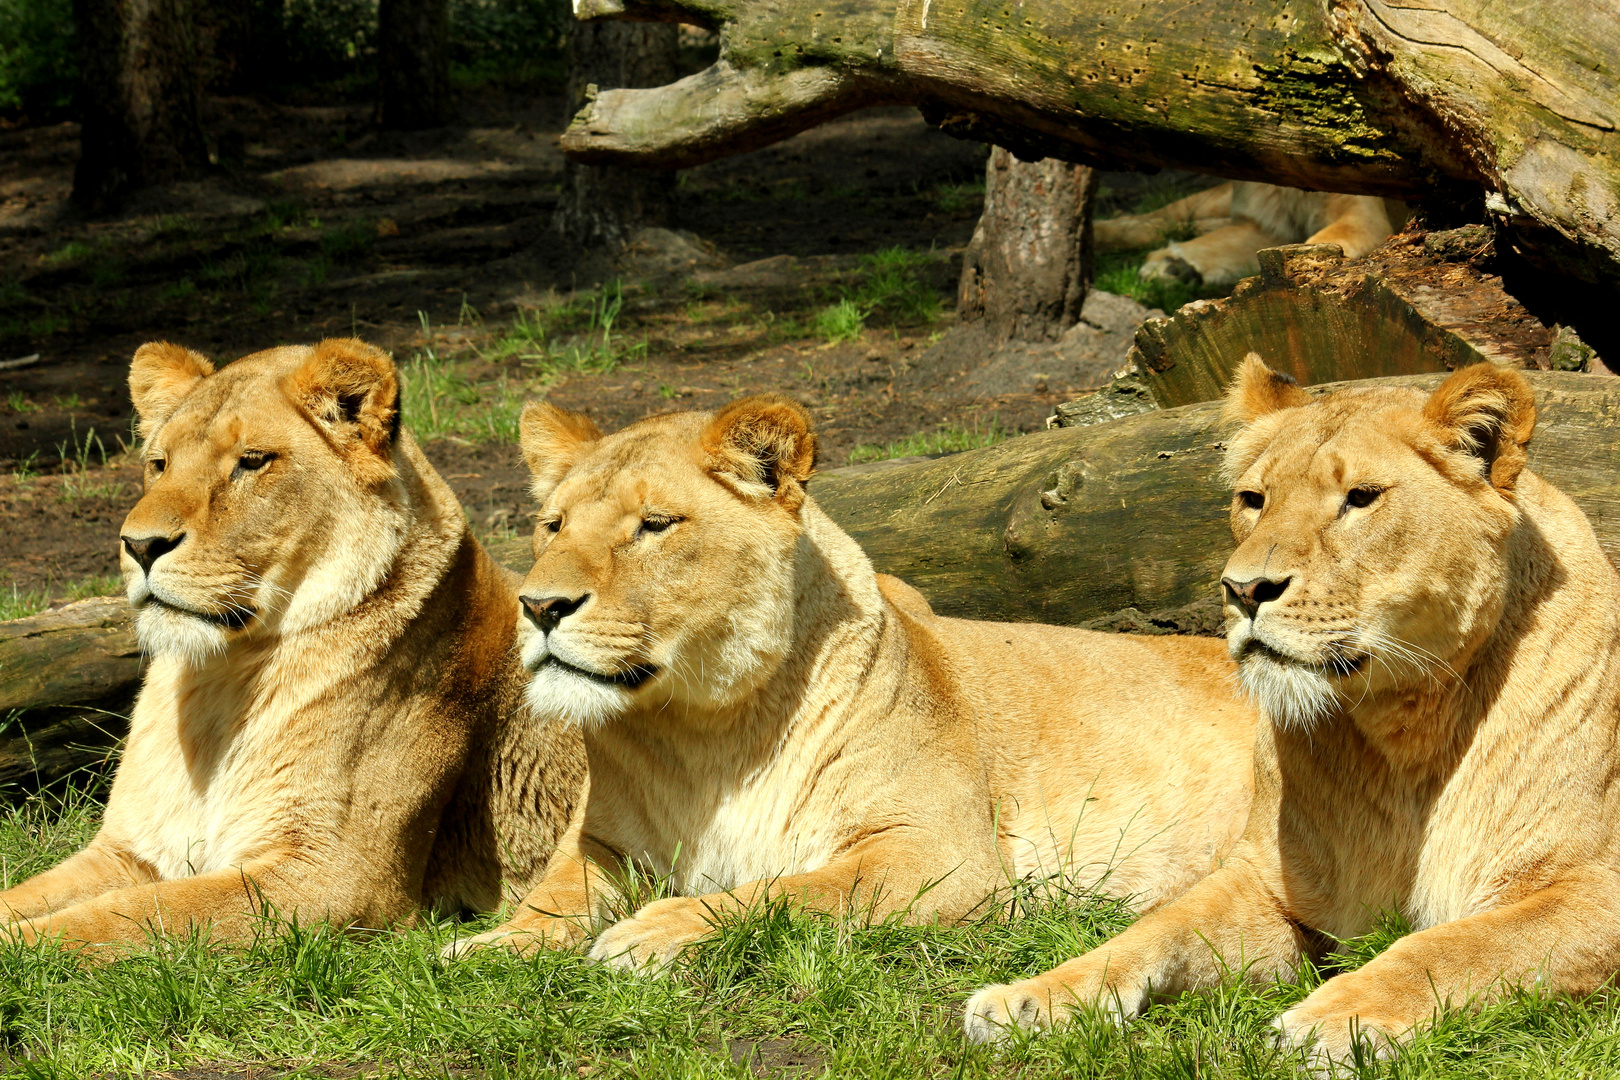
[[331, 723]]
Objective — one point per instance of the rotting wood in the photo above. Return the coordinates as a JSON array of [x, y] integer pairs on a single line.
[[1418, 303], [1400, 99], [1119, 526]]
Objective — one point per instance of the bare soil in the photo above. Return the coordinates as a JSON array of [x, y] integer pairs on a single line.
[[431, 244]]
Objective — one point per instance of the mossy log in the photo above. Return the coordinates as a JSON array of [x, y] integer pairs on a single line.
[[1120, 526], [1396, 99]]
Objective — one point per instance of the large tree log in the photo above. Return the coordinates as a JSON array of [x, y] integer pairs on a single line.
[[1401, 99], [1119, 526]]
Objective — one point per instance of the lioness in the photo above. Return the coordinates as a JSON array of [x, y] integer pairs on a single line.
[[332, 720], [764, 717], [1234, 221], [1433, 632]]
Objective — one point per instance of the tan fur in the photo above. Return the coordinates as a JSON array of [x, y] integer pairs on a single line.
[[1437, 650], [785, 722], [1233, 221], [332, 721]]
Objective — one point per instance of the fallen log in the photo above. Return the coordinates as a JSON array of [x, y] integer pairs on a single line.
[[1407, 99], [1118, 526]]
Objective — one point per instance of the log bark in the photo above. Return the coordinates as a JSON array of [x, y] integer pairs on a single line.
[[1027, 268], [601, 206], [1427, 98], [413, 64], [139, 98]]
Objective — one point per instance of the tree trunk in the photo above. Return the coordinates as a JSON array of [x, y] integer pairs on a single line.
[[1027, 268], [138, 98], [413, 64], [1437, 99], [601, 206]]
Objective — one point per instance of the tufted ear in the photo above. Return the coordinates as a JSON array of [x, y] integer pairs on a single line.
[[1257, 390], [1487, 411], [160, 375], [552, 440], [352, 391], [763, 443]]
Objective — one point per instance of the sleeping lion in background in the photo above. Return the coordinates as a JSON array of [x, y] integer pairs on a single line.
[[1233, 221]]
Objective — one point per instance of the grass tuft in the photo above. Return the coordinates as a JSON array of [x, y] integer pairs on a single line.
[[947, 439]]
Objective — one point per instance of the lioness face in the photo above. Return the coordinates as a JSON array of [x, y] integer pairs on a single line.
[[270, 504], [1372, 531], [665, 558]]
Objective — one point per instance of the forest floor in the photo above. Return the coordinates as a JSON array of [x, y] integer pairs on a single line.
[[823, 268]]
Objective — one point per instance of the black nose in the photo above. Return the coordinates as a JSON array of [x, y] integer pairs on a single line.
[[1249, 595], [547, 611], [147, 550]]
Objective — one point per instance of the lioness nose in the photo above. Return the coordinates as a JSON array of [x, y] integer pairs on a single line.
[[147, 550], [1249, 595], [547, 611]]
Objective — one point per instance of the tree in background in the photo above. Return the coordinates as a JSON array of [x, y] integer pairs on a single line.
[[138, 97], [601, 206], [1027, 269], [413, 64]]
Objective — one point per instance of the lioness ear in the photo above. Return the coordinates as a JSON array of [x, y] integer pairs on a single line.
[[763, 443], [1257, 390], [552, 439], [352, 390], [1490, 412], [160, 375]]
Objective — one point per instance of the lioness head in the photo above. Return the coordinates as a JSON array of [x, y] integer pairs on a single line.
[[664, 556], [1372, 529], [271, 502]]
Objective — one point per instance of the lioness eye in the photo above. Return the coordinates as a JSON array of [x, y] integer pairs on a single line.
[[157, 464], [252, 461], [1254, 500], [552, 524], [656, 525], [1361, 496]]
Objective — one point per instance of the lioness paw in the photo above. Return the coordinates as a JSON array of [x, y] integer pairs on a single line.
[[1332, 1043], [524, 940], [653, 936], [995, 1012]]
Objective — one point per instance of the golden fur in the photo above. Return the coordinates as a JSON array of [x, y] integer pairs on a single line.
[[765, 716], [1234, 221], [332, 719], [1435, 634]]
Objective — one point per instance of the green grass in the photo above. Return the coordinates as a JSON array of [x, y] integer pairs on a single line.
[[848, 999], [18, 604], [579, 335], [947, 439], [889, 286]]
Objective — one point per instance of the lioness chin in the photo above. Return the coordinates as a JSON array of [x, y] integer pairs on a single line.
[[765, 716], [331, 725], [1435, 633]]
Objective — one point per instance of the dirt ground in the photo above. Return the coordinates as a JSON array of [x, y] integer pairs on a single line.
[[437, 246]]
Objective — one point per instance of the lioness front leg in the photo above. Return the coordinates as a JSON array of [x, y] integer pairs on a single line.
[[1226, 923], [95, 870], [878, 877], [1561, 939], [557, 913], [225, 905]]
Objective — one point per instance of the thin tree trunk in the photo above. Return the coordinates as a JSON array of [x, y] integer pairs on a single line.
[[1027, 269], [602, 205], [413, 63], [138, 97]]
